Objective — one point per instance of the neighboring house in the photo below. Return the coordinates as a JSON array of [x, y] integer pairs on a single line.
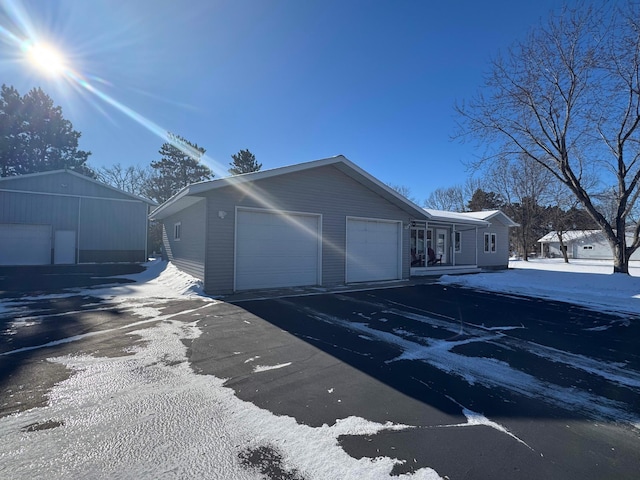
[[62, 217], [580, 244], [326, 222]]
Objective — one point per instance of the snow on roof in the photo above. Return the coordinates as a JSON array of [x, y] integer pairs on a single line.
[[568, 236], [454, 216]]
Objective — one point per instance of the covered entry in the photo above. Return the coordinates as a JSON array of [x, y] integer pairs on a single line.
[[373, 250], [277, 249]]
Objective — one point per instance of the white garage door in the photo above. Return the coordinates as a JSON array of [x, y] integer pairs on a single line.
[[373, 250], [276, 250], [25, 244]]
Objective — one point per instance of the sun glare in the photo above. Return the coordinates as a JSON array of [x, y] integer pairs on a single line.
[[46, 58]]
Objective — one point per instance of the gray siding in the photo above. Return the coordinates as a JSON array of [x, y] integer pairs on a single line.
[[60, 212], [110, 226], [500, 258], [325, 190], [467, 254], [62, 183], [188, 253]]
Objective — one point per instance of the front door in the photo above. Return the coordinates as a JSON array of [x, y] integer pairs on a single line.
[[441, 244]]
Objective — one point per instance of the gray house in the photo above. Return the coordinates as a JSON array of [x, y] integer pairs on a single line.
[[62, 217], [326, 222]]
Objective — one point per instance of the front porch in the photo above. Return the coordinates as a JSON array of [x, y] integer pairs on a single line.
[[437, 270], [442, 248]]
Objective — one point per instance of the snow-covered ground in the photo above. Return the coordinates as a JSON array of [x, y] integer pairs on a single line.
[[590, 283], [148, 415]]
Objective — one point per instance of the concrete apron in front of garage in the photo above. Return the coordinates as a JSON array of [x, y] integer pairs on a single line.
[[267, 293]]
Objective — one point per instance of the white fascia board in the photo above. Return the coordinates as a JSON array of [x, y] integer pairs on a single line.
[[176, 202]]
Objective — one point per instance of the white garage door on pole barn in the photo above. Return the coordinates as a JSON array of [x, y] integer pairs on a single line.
[[276, 249], [25, 244], [373, 250]]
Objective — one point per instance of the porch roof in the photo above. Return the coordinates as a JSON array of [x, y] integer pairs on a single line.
[[455, 217]]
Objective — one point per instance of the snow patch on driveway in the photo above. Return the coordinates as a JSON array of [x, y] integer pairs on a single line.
[[148, 415]]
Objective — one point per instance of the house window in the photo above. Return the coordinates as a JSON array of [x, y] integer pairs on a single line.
[[177, 230], [457, 237], [587, 247], [490, 241]]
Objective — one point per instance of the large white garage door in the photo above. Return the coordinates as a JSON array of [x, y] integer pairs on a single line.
[[25, 244], [276, 250], [373, 250]]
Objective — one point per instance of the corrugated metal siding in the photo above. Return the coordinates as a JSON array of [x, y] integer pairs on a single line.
[[112, 228], [324, 190], [61, 212], [187, 253], [61, 183], [112, 225]]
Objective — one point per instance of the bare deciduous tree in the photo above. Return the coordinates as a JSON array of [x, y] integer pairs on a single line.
[[131, 179], [525, 187], [446, 198], [455, 198], [568, 99], [404, 191]]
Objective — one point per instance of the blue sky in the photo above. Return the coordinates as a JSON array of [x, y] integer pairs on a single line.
[[291, 80]]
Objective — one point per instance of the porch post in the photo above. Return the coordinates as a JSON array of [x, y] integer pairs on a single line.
[[476, 246], [453, 256]]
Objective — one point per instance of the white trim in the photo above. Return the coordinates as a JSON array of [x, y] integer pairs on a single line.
[[492, 245], [239, 208], [381, 220], [340, 162], [177, 231]]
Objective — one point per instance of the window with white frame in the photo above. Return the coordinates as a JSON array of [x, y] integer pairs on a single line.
[[177, 230], [490, 241], [457, 241]]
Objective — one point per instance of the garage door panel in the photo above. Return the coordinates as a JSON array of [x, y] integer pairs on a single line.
[[373, 250], [23, 244], [276, 250]]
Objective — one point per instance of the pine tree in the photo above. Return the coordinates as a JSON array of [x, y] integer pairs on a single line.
[[179, 166], [35, 137], [244, 162]]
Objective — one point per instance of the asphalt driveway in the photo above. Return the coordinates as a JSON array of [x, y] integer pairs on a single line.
[[494, 386], [470, 384]]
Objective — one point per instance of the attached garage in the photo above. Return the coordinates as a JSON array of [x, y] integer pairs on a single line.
[[24, 244], [322, 223], [277, 249], [374, 250]]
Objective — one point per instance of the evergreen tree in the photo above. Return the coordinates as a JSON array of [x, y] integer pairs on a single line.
[[481, 200], [35, 137], [179, 166], [244, 162]]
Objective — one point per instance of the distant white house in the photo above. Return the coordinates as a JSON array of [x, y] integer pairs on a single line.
[[586, 244]]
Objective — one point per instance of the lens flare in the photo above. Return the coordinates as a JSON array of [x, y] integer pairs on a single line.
[[46, 58]]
